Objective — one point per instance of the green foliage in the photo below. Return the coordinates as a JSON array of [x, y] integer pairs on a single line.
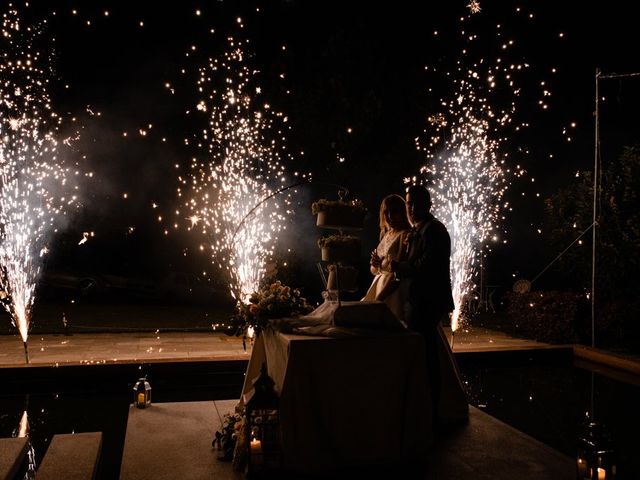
[[570, 211], [621, 220], [551, 317]]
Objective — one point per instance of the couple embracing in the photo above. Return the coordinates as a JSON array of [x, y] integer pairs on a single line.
[[411, 275]]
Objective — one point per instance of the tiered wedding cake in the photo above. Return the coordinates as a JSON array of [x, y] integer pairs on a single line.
[[340, 250]]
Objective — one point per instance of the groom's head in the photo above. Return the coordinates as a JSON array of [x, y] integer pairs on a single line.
[[418, 202]]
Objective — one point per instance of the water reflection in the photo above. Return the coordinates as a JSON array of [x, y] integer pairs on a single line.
[[22, 431], [97, 398], [40, 416], [550, 403]]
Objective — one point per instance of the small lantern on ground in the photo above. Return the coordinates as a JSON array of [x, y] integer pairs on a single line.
[[142, 393], [595, 459], [262, 417]]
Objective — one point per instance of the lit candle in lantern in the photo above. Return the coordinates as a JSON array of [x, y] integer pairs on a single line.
[[142, 393], [582, 467], [602, 474], [256, 446]]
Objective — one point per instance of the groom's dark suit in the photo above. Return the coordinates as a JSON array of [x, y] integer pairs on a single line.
[[427, 266], [430, 299]]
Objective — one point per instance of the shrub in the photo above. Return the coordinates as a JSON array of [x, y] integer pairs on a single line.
[[552, 317]]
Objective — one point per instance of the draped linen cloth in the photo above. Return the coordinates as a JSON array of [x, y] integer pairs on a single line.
[[348, 400]]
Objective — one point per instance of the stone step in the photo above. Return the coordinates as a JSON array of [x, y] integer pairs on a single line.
[[173, 440], [13, 453], [71, 457]]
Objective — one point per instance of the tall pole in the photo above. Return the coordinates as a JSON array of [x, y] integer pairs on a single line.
[[595, 213]]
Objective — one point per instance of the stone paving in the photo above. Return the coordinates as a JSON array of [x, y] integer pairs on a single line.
[[92, 348], [171, 440]]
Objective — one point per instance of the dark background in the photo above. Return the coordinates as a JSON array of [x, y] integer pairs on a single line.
[[346, 65]]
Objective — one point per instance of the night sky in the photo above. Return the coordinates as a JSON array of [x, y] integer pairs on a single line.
[[346, 65]]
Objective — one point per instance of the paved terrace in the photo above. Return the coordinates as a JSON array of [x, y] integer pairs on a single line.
[[207, 346], [150, 347]]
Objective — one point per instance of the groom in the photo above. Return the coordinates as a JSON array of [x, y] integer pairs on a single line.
[[427, 266]]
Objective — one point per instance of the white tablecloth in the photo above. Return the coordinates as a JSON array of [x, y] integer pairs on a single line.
[[360, 400]]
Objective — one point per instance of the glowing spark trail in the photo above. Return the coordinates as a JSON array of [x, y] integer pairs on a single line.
[[474, 6], [30, 173], [466, 176], [243, 167], [467, 185]]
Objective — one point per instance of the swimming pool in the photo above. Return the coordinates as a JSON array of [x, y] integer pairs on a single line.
[[550, 403], [545, 399]]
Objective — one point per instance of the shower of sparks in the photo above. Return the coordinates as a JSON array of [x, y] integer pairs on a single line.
[[225, 190], [31, 174], [465, 168], [474, 6], [467, 183]]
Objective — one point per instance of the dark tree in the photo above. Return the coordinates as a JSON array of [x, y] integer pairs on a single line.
[[569, 212]]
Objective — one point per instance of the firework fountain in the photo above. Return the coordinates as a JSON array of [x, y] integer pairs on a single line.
[[31, 175], [225, 191], [467, 183], [464, 170]]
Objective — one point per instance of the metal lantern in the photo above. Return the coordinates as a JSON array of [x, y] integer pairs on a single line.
[[595, 459], [142, 393], [262, 419]]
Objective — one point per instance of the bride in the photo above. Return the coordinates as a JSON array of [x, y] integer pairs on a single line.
[[394, 227], [393, 247]]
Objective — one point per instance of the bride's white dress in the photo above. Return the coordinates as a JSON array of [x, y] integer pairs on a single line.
[[388, 249], [452, 405]]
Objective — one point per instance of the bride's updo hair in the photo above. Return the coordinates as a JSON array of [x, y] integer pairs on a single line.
[[394, 204]]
